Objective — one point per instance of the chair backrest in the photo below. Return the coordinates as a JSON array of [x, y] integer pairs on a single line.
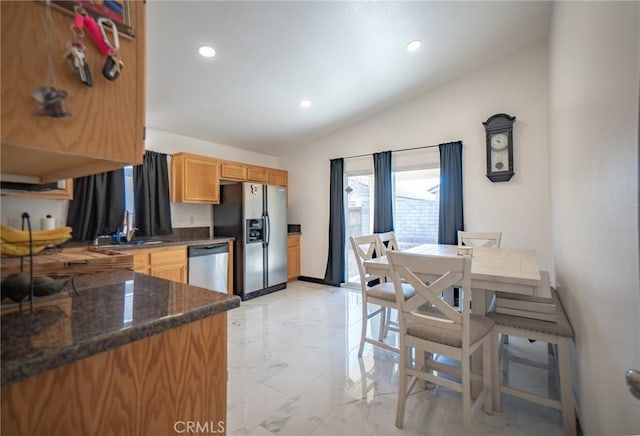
[[480, 239], [430, 276], [386, 241], [364, 248]]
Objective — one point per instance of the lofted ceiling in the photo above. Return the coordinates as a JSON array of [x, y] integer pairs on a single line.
[[348, 58]]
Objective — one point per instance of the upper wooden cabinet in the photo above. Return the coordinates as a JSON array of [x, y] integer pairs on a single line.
[[233, 171], [194, 179], [257, 174], [278, 177], [106, 128], [252, 173]]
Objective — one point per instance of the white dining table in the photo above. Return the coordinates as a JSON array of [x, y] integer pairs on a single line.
[[492, 269]]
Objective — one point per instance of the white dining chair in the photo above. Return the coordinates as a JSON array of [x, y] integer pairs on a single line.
[[475, 239], [380, 293], [479, 239], [387, 241], [431, 326]]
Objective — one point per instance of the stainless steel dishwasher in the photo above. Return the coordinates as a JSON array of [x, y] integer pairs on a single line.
[[209, 266]]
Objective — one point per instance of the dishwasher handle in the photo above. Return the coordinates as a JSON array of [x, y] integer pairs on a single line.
[[208, 250]]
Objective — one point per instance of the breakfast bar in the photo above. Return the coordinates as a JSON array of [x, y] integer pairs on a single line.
[[127, 354]]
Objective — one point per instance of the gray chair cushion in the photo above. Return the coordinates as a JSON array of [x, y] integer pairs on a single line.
[[560, 328], [386, 291], [480, 326]]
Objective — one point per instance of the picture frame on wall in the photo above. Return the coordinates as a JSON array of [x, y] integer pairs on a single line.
[[117, 10]]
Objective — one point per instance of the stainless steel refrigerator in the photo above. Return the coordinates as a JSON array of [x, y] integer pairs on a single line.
[[256, 216]]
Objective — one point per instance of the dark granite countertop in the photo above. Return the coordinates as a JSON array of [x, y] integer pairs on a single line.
[[113, 309], [168, 243]]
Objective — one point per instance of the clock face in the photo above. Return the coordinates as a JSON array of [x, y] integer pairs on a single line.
[[499, 141]]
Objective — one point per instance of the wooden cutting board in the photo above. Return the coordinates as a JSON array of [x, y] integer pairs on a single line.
[[69, 262]]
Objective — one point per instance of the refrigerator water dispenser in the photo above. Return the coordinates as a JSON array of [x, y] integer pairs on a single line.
[[255, 230]]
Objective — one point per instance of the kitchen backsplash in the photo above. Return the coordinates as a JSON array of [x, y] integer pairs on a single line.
[[12, 209], [191, 215], [182, 215], [191, 233]]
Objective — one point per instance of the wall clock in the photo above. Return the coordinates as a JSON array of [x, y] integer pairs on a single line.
[[499, 134]]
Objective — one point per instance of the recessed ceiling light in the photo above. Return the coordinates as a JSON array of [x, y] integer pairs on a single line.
[[206, 52], [305, 104], [414, 45]]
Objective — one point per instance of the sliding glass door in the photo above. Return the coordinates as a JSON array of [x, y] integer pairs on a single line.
[[416, 203], [359, 208], [416, 197]]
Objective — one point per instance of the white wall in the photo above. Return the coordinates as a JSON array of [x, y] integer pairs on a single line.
[[517, 85], [594, 59], [169, 143], [199, 215], [12, 209]]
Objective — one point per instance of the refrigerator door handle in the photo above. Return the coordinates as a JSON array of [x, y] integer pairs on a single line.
[[267, 222]]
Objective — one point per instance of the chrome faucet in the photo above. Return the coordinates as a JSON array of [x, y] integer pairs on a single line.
[[129, 233], [127, 227]]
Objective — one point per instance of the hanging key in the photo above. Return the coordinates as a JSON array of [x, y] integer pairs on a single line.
[[112, 67], [76, 57], [83, 68]]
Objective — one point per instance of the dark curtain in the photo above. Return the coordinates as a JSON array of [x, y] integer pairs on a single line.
[[335, 273], [97, 207], [382, 193], [451, 215], [151, 195]]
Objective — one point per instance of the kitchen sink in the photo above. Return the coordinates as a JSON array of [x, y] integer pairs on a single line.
[[139, 243]]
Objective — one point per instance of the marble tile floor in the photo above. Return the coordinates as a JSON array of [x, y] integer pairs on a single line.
[[294, 370]]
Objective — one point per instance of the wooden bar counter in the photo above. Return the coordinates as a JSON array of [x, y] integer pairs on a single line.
[[132, 354]]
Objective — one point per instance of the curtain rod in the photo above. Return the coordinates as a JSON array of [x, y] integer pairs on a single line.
[[393, 151]]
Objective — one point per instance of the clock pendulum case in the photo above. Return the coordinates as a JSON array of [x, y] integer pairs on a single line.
[[499, 137]]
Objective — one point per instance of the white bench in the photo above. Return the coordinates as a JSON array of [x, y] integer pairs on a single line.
[[559, 333]]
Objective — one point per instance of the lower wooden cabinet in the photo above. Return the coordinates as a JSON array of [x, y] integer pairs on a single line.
[[175, 273], [168, 263], [155, 385], [293, 253]]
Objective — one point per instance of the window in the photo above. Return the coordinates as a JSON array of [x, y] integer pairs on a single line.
[[129, 204], [152, 216]]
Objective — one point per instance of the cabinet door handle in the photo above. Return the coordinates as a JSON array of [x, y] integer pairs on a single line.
[[75, 262]]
